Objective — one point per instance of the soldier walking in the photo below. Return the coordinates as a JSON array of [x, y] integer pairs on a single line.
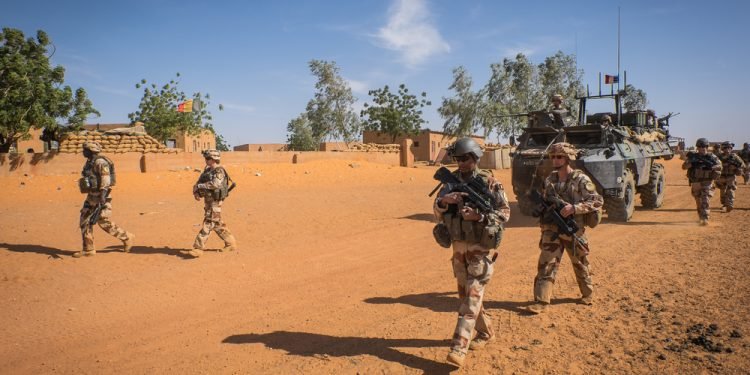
[[703, 168], [474, 235], [213, 187], [731, 166], [745, 155], [578, 197], [97, 180]]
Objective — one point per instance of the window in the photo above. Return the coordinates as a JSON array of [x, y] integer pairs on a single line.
[[171, 143], [416, 143], [433, 147]]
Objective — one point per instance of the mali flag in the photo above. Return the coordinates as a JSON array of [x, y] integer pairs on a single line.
[[186, 106], [608, 79]]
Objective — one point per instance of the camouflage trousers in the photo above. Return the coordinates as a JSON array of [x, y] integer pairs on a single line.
[[552, 245], [212, 222], [746, 173], [473, 270], [702, 192], [87, 231], [727, 186]]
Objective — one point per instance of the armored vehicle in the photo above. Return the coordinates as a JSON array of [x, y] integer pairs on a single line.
[[619, 151]]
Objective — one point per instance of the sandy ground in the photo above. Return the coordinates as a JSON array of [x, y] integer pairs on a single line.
[[337, 272]]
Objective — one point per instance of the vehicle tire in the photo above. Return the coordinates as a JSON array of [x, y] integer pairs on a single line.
[[652, 194], [525, 205], [621, 208]]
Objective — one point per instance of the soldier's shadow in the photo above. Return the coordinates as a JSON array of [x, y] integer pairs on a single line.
[[315, 345], [49, 251], [447, 302], [147, 250]]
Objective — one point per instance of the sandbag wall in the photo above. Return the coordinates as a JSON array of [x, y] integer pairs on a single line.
[[114, 143]]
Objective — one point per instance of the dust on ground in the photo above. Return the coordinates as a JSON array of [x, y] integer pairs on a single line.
[[337, 272]]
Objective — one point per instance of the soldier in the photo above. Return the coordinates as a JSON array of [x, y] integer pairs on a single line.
[[745, 155], [703, 168], [731, 166], [557, 100], [607, 120], [575, 191], [97, 180], [213, 187], [474, 236]]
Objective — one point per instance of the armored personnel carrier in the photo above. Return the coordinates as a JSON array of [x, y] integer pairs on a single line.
[[619, 151]]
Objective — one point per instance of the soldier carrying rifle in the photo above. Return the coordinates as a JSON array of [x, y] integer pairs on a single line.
[[703, 168], [570, 194], [731, 165], [97, 180]]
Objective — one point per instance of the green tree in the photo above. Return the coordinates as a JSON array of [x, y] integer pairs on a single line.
[[330, 112], [558, 74], [635, 100], [158, 110], [221, 144], [32, 94], [464, 112], [300, 137], [394, 114]]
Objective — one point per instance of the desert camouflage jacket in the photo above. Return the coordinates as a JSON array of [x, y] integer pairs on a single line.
[[577, 190], [731, 164], [99, 167], [501, 212]]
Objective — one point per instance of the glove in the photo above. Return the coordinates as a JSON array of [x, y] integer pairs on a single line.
[[537, 211]]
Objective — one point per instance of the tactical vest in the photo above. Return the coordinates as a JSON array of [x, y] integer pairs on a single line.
[[703, 175], [730, 165], [220, 193], [90, 181], [589, 219], [486, 234]]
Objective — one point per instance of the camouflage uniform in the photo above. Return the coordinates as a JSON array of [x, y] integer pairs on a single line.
[[579, 191], [214, 178], [745, 155], [99, 167], [726, 182], [701, 183], [471, 262]]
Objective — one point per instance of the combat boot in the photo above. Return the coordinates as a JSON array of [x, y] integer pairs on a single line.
[[729, 208], [195, 253], [87, 253], [703, 222], [724, 209], [128, 244], [537, 308], [456, 358], [588, 300], [480, 342], [230, 244]]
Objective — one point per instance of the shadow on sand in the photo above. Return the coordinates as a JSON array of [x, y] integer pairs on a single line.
[[314, 345], [447, 302]]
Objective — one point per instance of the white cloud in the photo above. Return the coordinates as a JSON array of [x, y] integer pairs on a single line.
[[411, 32], [358, 87], [239, 107]]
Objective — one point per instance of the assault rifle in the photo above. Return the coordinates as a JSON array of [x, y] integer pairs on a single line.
[[700, 161], [551, 211], [475, 190], [731, 160], [96, 212]]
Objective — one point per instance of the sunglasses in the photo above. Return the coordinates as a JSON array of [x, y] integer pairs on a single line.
[[558, 157], [462, 158]]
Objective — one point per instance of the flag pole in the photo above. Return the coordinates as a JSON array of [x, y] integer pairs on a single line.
[[618, 49]]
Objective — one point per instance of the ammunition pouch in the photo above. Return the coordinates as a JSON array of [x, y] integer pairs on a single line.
[[702, 175], [88, 184], [488, 236], [592, 219], [442, 235]]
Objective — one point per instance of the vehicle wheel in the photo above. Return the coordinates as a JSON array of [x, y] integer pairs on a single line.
[[652, 194], [525, 205], [621, 208]]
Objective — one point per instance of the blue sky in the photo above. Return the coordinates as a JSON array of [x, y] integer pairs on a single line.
[[689, 56]]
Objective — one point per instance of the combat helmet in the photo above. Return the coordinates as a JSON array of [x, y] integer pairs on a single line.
[[465, 146], [212, 154], [701, 142], [727, 144], [563, 148], [556, 97], [93, 147]]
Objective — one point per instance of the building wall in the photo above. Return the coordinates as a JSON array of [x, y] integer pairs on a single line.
[[426, 145], [206, 140], [33, 143]]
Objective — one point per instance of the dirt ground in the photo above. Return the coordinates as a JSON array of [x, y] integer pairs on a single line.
[[338, 272]]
